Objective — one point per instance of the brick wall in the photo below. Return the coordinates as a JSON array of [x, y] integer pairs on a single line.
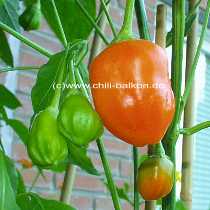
[[89, 192]]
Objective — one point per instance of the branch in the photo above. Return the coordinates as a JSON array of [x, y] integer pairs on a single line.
[[92, 21], [25, 40], [197, 55], [109, 18], [195, 129]]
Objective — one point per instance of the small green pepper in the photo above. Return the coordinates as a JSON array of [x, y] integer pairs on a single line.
[[78, 121], [46, 146]]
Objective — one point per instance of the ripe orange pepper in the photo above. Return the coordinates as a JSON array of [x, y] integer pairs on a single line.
[[155, 178], [138, 116]]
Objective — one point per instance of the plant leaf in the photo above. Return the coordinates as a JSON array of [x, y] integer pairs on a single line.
[[43, 91], [78, 156], [5, 51], [9, 13], [20, 129], [7, 194], [8, 99], [28, 201], [70, 15]]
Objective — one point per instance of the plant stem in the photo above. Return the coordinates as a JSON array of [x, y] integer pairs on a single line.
[[56, 98], [135, 169], [177, 53], [168, 203], [126, 31], [25, 40], [92, 21], [195, 61], [106, 166], [195, 129], [108, 173], [19, 68], [142, 20], [150, 205], [109, 18], [60, 27]]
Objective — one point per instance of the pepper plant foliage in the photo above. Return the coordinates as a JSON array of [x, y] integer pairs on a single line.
[[72, 22]]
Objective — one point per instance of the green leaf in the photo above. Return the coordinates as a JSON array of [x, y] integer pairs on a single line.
[[180, 205], [20, 129], [5, 51], [75, 24], [8, 99], [33, 201], [9, 13], [78, 156], [7, 194], [43, 91]]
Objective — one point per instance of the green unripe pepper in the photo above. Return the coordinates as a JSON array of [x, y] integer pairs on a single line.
[[78, 121], [46, 146], [31, 17]]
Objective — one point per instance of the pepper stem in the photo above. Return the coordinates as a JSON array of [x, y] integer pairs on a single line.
[[157, 149], [126, 31]]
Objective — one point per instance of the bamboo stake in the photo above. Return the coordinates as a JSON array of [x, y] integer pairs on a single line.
[[160, 39], [188, 141], [68, 184]]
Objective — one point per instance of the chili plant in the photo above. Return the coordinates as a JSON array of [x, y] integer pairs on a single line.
[[65, 122]]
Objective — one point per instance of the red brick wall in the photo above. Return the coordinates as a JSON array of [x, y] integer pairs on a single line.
[[89, 192]]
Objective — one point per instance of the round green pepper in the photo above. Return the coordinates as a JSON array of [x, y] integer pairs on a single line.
[[46, 146], [78, 121]]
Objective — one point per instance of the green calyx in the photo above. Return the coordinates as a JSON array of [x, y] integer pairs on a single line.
[[46, 146], [157, 150], [31, 17], [78, 121], [126, 32]]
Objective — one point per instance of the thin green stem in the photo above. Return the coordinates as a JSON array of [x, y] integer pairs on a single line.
[[106, 166], [25, 40], [126, 31], [92, 21], [168, 203], [195, 129], [62, 66], [19, 68], [135, 169], [142, 20], [177, 52], [195, 61], [60, 27], [178, 13], [108, 174], [100, 14], [109, 18]]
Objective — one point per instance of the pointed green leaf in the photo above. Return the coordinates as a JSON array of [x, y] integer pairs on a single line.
[[78, 156], [8, 99], [20, 129], [9, 13], [70, 15], [7, 194], [5, 51], [33, 201]]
